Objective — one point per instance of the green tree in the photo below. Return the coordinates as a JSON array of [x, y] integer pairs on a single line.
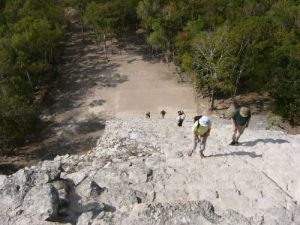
[[209, 60], [30, 32]]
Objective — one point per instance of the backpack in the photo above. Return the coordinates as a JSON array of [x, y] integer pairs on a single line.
[[196, 118]]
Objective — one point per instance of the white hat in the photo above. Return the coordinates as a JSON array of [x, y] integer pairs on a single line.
[[204, 121]]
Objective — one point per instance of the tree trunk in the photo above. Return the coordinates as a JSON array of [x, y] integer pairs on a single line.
[[167, 58], [111, 45], [98, 42], [212, 105], [51, 55], [237, 83], [45, 57], [29, 78], [104, 45], [152, 52], [82, 28]]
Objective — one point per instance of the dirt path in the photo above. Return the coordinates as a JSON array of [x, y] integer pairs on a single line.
[[150, 86], [90, 91]]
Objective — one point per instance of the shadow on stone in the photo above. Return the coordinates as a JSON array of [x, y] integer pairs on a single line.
[[91, 125], [265, 141], [240, 153], [76, 207], [109, 208]]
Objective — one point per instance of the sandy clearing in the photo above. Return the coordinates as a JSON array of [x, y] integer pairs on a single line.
[[150, 87]]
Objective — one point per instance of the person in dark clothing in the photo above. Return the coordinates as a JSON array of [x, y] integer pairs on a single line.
[[163, 113], [240, 120], [147, 115], [180, 118]]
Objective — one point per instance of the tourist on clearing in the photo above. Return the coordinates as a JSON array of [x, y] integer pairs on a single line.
[[180, 118], [201, 130], [163, 113], [240, 120], [147, 115]]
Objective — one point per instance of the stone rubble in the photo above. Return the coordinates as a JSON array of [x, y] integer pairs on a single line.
[[139, 173]]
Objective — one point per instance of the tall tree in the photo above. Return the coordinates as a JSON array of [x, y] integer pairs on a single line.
[[209, 61]]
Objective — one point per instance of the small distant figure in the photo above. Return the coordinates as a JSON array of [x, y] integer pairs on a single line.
[[147, 115], [240, 120], [201, 130], [163, 113], [180, 118]]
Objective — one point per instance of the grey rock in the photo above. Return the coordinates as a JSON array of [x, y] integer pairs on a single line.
[[57, 158], [77, 177], [4, 219], [138, 174], [3, 178], [41, 202], [200, 212], [85, 219], [233, 218], [119, 195], [111, 184], [62, 187], [52, 169], [14, 190], [89, 189], [95, 189]]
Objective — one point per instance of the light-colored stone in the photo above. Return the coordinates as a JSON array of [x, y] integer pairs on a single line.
[[52, 168], [77, 177], [89, 189], [253, 183], [41, 202], [137, 175], [3, 178]]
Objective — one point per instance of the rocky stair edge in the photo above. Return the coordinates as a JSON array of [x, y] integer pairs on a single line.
[[50, 191]]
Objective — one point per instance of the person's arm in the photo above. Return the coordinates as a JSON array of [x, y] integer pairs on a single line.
[[196, 137]]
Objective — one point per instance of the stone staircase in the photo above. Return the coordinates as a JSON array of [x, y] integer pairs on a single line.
[[257, 178], [139, 173]]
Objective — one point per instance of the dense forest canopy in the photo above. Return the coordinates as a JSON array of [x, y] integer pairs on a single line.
[[30, 32], [227, 47], [231, 47]]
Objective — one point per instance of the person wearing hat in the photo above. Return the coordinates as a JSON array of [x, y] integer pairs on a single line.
[[201, 130], [240, 120]]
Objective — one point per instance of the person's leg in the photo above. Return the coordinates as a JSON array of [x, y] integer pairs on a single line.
[[240, 131], [234, 132], [194, 146], [203, 145]]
